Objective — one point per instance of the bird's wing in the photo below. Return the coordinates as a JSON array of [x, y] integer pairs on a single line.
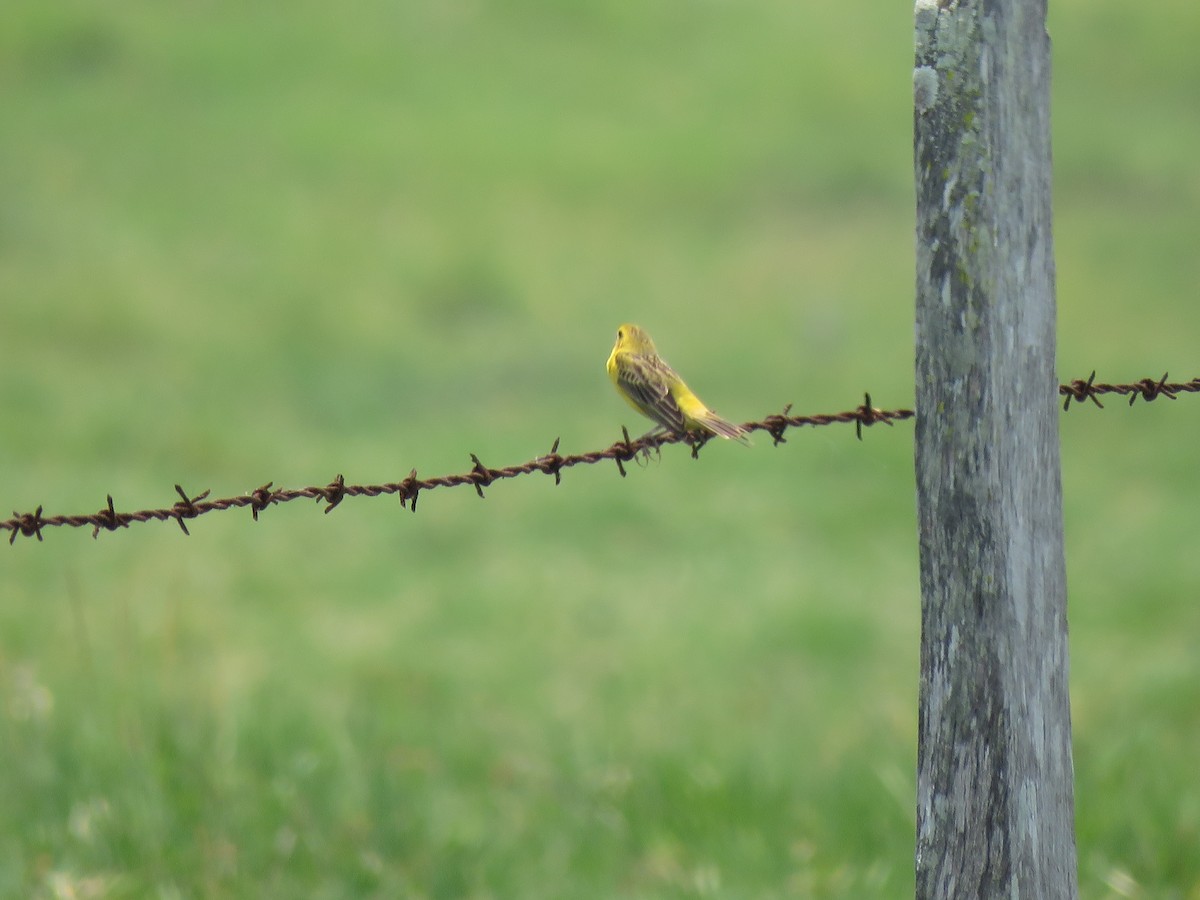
[[647, 383]]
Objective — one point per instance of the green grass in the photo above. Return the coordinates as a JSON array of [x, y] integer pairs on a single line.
[[240, 246]]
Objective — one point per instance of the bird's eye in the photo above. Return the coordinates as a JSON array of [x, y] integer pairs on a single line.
[[620, 333]]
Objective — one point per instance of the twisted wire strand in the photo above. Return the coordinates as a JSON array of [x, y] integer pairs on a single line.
[[480, 476]]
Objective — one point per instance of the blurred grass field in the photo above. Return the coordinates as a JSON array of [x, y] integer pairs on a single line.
[[238, 245]]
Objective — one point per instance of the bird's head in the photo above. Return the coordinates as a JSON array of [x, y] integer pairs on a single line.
[[632, 338]]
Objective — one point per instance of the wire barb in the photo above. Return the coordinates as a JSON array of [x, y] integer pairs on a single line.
[[1151, 390], [553, 463], [108, 518], [334, 493], [260, 499], [481, 475], [776, 425], [1079, 390], [869, 415], [629, 453], [186, 508], [408, 490], [28, 524]]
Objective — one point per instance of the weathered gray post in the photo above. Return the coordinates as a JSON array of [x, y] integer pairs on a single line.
[[995, 800]]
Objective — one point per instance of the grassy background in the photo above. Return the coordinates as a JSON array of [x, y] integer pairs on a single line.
[[239, 246]]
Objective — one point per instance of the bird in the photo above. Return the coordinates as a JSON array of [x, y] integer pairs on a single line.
[[654, 389]]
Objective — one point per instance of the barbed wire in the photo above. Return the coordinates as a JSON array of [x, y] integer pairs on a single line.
[[409, 488], [480, 476], [1147, 388]]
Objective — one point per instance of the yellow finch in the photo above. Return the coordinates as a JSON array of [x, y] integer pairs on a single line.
[[653, 389]]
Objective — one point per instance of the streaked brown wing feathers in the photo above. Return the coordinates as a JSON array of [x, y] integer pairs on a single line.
[[647, 384]]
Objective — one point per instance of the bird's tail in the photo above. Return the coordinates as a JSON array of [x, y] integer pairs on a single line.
[[722, 428]]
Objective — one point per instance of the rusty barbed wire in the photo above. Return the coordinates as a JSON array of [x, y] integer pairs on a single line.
[[480, 476], [1148, 389]]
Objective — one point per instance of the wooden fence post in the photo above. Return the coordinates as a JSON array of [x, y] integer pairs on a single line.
[[995, 796]]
